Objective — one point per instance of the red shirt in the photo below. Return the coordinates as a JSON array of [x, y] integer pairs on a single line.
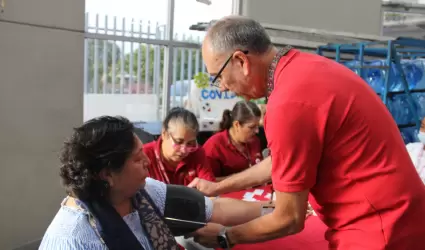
[[194, 165], [225, 159], [329, 132]]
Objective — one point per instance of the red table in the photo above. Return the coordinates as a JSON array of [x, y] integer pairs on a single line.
[[311, 238]]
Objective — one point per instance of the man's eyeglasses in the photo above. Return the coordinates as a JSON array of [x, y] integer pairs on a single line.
[[189, 147], [215, 81]]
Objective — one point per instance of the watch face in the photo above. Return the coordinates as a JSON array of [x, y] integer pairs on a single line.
[[222, 242]]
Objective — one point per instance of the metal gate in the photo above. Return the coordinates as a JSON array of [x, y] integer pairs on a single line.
[[126, 68]]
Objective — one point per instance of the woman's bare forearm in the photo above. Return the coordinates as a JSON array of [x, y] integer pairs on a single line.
[[231, 212], [253, 176]]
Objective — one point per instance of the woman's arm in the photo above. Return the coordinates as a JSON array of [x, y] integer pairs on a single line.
[[231, 212], [158, 192], [224, 211]]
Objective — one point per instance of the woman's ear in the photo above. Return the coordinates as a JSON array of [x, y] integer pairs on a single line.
[[163, 133], [236, 125], [106, 175]]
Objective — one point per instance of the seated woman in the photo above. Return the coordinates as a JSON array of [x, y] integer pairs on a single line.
[[111, 203], [417, 152], [176, 157], [236, 147]]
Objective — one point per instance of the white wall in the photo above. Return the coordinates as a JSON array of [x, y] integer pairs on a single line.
[[41, 99], [356, 16], [135, 107]]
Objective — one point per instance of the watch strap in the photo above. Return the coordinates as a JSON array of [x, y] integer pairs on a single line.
[[223, 239]]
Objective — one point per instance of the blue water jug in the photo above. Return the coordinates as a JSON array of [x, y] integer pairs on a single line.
[[375, 77], [413, 71], [419, 99]]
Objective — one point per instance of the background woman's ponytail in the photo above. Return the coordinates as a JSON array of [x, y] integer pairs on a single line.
[[226, 120], [243, 112]]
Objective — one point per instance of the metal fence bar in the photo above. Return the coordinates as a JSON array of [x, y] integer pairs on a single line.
[[105, 61], [189, 70], [122, 75], [157, 70], [114, 58], [197, 56], [182, 62], [96, 63], [143, 40], [175, 52], [139, 60], [86, 58], [147, 61], [130, 82]]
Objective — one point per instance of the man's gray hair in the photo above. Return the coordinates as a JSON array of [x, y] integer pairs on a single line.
[[233, 33]]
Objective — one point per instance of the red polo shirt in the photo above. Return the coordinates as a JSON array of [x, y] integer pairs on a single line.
[[225, 159], [194, 165], [329, 132]]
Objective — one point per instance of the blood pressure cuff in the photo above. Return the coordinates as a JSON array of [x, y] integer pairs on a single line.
[[185, 204]]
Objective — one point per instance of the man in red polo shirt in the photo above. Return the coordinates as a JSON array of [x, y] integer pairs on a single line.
[[330, 135]]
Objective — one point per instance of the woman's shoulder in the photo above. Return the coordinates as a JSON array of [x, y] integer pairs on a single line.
[[215, 140], [70, 229], [157, 191], [149, 148], [150, 145]]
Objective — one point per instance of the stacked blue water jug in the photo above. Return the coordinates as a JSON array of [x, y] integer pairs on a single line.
[[398, 104]]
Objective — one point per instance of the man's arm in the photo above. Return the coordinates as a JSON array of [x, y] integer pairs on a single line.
[[287, 218], [254, 176], [296, 143]]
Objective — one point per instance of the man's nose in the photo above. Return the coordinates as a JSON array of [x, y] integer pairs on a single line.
[[223, 88]]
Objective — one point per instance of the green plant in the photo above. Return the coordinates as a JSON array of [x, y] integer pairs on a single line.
[[201, 80]]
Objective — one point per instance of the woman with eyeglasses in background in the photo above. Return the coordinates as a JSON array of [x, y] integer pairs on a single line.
[[176, 157], [236, 146]]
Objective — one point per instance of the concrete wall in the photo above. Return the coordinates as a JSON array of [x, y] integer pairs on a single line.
[[41, 99], [359, 16]]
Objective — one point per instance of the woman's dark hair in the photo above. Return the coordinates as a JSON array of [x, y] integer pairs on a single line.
[[181, 115], [243, 112], [101, 143]]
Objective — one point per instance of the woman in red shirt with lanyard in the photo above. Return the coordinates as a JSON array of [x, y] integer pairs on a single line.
[[236, 147], [176, 157]]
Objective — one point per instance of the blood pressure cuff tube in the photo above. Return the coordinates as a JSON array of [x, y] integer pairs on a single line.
[[184, 203]]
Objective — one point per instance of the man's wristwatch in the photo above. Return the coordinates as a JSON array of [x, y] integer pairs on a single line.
[[223, 240]]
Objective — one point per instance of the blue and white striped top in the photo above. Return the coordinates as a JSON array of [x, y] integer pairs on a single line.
[[70, 229]]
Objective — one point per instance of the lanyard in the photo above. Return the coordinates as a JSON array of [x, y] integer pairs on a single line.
[[161, 167], [245, 154]]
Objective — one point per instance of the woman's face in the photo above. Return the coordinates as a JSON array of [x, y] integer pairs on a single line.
[[248, 130], [178, 142], [133, 174]]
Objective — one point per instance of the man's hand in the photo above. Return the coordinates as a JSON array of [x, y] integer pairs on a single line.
[[207, 236], [208, 188]]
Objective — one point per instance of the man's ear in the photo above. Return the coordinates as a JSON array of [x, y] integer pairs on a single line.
[[106, 175], [242, 60]]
